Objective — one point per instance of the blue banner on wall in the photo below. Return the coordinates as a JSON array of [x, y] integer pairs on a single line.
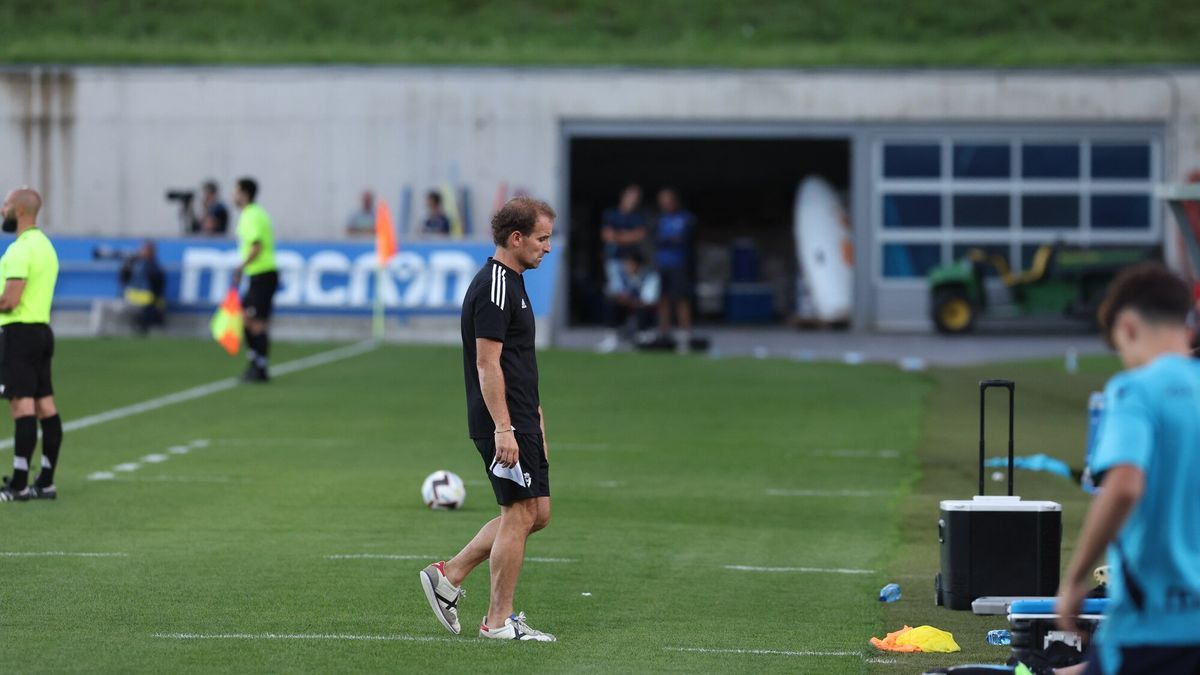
[[423, 279]]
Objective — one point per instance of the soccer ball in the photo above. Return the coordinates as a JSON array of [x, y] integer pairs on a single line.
[[443, 490]]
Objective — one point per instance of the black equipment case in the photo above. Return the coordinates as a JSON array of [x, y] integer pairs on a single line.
[[997, 545]]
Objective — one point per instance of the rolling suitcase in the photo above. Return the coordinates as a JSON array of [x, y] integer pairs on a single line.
[[997, 545]]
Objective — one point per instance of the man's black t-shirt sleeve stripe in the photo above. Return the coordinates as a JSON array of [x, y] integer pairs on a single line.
[[490, 317]]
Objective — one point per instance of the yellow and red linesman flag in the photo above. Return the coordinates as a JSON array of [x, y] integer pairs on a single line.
[[227, 323], [385, 233]]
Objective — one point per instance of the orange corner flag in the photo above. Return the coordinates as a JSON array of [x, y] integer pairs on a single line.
[[385, 233], [227, 323]]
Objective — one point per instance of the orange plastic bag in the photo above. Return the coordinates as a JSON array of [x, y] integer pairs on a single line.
[[888, 644], [920, 639]]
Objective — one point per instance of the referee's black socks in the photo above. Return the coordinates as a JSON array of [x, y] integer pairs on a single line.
[[52, 434], [261, 345], [258, 348], [24, 441]]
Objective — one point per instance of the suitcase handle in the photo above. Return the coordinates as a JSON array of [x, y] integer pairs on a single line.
[[1011, 386]]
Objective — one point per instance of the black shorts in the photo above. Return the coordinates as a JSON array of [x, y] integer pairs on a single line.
[[26, 350], [259, 300], [676, 283], [1156, 660], [533, 463]]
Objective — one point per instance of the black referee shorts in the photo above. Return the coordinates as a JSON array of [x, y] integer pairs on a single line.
[[26, 350], [259, 300], [534, 466]]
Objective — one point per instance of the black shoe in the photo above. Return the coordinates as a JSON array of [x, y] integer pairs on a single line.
[[7, 494], [255, 374], [38, 492]]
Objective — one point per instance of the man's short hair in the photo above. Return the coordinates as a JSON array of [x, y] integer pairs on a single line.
[[1156, 293], [518, 214], [435, 197], [249, 187], [210, 186]]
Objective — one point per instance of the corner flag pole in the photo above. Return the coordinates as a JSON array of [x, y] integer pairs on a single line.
[[385, 248]]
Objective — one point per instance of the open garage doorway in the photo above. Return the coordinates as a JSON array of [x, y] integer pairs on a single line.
[[742, 192]]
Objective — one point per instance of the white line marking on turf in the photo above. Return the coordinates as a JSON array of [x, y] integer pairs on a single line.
[[305, 636], [571, 446], [200, 443], [127, 466], [59, 554], [311, 442], [858, 454], [179, 449], [389, 556], [154, 459], [774, 492], [378, 556], [287, 368], [758, 652], [101, 475], [174, 479], [813, 570]]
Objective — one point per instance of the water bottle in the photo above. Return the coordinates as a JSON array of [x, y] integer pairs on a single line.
[[1072, 361], [889, 593], [999, 637], [1095, 414]]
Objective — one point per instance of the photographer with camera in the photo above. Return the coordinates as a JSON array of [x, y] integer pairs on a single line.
[[213, 219], [214, 216]]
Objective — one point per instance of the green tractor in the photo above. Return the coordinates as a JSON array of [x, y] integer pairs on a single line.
[[1062, 281]]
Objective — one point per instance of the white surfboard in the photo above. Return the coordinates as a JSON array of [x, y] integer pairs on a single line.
[[825, 249]]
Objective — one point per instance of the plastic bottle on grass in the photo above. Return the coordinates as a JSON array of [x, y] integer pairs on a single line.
[[889, 593], [999, 637]]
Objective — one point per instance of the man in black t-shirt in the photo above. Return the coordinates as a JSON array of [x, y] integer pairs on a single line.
[[504, 417]]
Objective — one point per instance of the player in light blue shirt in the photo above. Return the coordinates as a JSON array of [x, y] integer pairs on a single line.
[[1147, 513]]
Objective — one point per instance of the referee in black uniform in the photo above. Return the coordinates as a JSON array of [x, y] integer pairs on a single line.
[[504, 417]]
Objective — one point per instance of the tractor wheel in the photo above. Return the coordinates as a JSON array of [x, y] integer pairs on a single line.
[[953, 313]]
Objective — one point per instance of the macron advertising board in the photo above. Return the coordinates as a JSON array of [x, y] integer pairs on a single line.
[[422, 279]]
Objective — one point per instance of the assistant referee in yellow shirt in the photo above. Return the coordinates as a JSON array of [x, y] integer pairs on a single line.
[[30, 271], [256, 246]]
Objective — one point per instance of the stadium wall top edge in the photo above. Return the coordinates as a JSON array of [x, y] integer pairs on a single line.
[[1142, 70]]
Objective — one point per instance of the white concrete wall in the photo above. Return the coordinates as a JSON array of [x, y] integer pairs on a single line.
[[103, 144]]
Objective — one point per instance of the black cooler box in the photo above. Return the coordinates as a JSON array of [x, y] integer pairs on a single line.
[[997, 545]]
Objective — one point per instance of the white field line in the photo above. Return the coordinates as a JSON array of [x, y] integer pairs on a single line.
[[59, 554], [759, 652], [775, 492], [809, 570], [107, 476], [157, 458], [307, 636], [388, 556], [858, 454], [275, 440], [210, 388], [379, 556], [572, 446]]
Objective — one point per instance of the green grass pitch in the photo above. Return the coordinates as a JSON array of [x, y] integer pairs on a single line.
[[665, 471]]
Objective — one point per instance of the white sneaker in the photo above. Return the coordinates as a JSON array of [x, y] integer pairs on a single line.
[[609, 344], [443, 596], [514, 628]]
